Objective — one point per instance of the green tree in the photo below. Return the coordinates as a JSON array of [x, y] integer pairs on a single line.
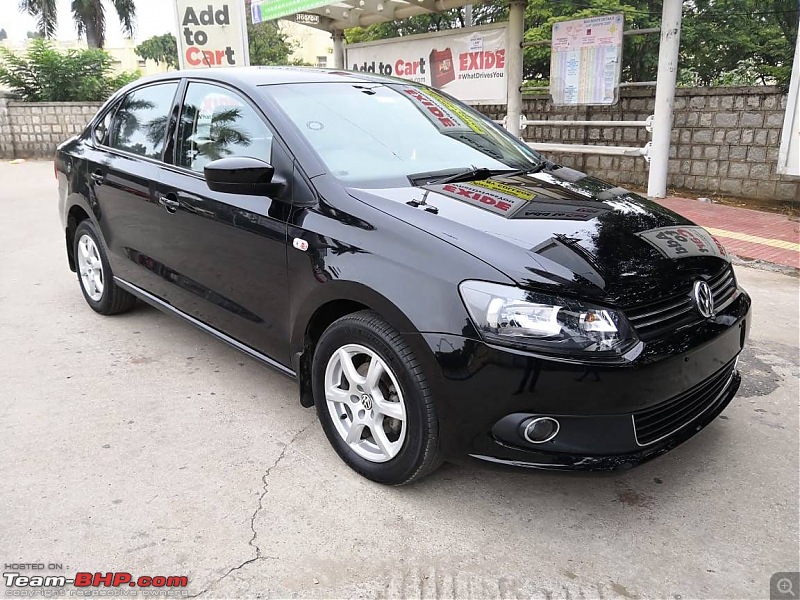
[[268, 45], [482, 14], [639, 54], [161, 49], [89, 17], [44, 74], [730, 42]]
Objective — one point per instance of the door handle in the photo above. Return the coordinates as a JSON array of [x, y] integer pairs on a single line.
[[97, 177], [170, 202]]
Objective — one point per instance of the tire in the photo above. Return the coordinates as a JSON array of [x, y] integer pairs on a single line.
[[400, 442], [94, 273]]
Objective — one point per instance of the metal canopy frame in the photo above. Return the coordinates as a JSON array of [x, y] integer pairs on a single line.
[[339, 16]]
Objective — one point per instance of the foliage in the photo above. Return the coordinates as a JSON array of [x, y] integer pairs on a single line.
[[43, 74], [482, 14], [268, 44], [731, 42], [639, 53], [723, 42], [160, 48], [89, 17]]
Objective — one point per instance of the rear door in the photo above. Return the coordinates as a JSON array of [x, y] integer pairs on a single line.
[[225, 254], [123, 166]]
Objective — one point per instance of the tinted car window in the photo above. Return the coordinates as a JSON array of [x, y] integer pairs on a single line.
[[216, 123], [140, 124]]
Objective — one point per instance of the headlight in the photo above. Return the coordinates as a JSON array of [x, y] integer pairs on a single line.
[[512, 316]]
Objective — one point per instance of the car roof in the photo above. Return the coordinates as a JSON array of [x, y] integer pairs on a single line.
[[254, 76]]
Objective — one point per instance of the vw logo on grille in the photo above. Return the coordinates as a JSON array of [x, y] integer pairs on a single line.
[[704, 298]]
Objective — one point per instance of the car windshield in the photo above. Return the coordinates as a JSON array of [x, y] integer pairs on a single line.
[[370, 134]]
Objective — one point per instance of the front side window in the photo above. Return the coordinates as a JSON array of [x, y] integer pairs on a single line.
[[373, 133], [216, 123], [139, 125]]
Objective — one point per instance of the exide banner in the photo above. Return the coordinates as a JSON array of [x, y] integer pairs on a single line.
[[469, 63], [212, 33]]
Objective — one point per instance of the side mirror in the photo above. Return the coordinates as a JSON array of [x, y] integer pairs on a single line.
[[241, 175]]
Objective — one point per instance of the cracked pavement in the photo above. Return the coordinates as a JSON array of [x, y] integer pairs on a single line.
[[137, 443]]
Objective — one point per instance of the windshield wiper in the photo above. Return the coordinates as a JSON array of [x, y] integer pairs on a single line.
[[478, 173]]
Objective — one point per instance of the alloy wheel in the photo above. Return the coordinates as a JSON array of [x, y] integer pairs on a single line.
[[365, 402], [90, 267]]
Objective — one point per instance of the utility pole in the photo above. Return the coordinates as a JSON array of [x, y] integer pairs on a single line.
[[668, 52]]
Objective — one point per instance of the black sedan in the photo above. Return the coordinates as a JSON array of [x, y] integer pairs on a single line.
[[437, 289]]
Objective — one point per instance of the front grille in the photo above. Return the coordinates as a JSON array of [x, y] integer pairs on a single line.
[[651, 319], [658, 422]]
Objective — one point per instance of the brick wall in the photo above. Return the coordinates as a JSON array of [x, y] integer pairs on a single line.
[[725, 141], [34, 129]]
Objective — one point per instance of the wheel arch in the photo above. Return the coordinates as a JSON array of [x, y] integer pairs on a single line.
[[335, 300], [75, 215]]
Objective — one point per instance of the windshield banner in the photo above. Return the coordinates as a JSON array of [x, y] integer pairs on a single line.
[[469, 63]]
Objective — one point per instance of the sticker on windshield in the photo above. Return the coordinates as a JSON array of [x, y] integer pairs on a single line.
[[683, 241], [446, 116]]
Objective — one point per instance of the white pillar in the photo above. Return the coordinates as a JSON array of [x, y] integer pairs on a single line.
[[516, 29], [338, 49], [665, 97]]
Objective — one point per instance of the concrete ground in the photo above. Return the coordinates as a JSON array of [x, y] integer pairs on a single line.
[[137, 443]]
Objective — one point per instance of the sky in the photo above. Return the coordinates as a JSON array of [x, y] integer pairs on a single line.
[[153, 17]]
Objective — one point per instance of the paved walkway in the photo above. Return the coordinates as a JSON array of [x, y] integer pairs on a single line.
[[747, 233]]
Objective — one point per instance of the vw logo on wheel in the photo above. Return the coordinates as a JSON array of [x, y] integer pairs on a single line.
[[366, 401], [704, 298]]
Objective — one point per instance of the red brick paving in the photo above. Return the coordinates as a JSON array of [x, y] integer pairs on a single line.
[[771, 226]]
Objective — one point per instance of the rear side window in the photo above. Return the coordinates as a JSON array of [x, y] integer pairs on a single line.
[[140, 123], [216, 122]]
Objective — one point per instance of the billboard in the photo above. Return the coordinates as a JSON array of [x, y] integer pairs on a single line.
[[268, 10], [586, 61], [211, 34], [468, 63]]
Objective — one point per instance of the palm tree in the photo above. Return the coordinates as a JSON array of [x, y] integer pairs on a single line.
[[89, 17]]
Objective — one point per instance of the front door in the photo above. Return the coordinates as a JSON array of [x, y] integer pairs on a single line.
[[225, 254]]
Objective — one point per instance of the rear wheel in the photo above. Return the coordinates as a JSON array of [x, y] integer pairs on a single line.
[[94, 273], [373, 400]]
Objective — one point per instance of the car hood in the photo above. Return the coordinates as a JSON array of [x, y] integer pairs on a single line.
[[561, 229]]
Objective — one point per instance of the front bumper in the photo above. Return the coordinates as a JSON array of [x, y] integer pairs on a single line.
[[610, 416]]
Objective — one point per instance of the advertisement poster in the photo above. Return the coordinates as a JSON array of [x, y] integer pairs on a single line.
[[586, 61], [469, 64], [211, 34]]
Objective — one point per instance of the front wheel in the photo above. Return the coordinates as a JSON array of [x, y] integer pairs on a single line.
[[374, 402]]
